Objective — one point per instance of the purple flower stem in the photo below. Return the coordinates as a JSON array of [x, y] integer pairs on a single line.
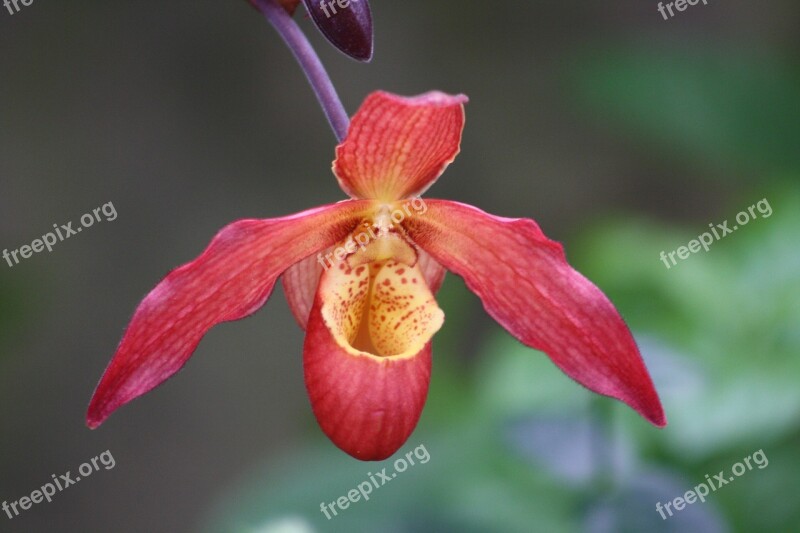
[[320, 82]]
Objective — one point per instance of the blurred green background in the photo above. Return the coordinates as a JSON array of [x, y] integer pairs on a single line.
[[622, 134]]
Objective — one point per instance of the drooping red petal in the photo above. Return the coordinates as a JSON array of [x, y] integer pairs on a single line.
[[231, 279], [397, 147], [527, 285], [367, 355]]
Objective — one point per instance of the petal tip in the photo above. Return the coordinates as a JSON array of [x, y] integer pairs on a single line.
[[428, 99], [97, 412], [94, 419], [649, 407], [659, 420]]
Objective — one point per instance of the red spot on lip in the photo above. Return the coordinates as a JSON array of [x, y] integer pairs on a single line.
[[359, 270], [404, 280], [386, 282], [400, 271]]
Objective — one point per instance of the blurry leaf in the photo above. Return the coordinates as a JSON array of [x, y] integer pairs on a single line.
[[727, 107], [764, 498], [575, 450], [725, 320], [468, 484], [623, 511], [449, 398], [513, 380]]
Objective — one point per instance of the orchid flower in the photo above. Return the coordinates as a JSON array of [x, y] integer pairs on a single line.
[[360, 277]]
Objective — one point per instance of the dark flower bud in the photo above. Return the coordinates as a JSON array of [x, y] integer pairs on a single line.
[[347, 24]]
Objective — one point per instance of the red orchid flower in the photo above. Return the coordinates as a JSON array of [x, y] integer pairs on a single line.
[[360, 275]]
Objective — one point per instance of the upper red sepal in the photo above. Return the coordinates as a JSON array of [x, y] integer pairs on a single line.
[[396, 147]]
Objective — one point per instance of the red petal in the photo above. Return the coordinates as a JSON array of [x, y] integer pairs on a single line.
[[300, 286], [397, 147], [367, 356], [231, 279], [432, 271], [527, 285]]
